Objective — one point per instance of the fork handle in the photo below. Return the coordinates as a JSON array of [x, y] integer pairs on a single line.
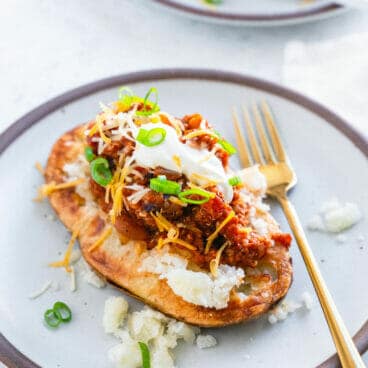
[[348, 353]]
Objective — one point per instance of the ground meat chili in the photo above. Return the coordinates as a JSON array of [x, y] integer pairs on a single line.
[[195, 223]]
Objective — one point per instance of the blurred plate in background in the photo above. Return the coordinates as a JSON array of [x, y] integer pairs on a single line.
[[256, 12]]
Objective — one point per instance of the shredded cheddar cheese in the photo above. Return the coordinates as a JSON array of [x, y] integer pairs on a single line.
[[245, 230], [162, 223], [177, 201], [172, 233], [198, 177], [166, 119], [102, 134], [106, 109], [200, 132], [158, 223], [65, 262], [213, 236], [160, 243], [97, 127], [107, 232], [180, 242], [177, 161], [115, 188], [216, 261], [39, 167], [46, 189]]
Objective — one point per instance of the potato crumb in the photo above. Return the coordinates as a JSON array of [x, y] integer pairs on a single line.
[[335, 217], [160, 333], [206, 341], [116, 309]]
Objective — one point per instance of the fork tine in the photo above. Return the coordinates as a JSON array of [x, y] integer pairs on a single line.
[[275, 137], [244, 154], [252, 137], [267, 151]]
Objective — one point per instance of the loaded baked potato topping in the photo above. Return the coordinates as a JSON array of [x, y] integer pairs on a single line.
[[160, 213], [167, 181]]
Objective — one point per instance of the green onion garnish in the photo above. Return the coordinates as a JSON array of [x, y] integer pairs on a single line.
[[206, 196], [213, 2], [146, 360], [51, 318], [88, 153], [153, 107], [62, 311], [151, 138], [125, 94], [127, 98], [162, 185], [227, 146], [234, 181], [100, 171]]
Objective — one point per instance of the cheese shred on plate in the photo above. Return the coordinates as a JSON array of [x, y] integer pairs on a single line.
[[65, 262]]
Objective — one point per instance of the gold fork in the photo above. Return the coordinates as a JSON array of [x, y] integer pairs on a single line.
[[275, 165]]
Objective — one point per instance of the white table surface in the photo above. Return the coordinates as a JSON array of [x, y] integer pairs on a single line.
[[49, 47]]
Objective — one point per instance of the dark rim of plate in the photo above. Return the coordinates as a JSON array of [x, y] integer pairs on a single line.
[[14, 358], [216, 14]]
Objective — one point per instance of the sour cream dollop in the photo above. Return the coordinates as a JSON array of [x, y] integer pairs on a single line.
[[192, 161]]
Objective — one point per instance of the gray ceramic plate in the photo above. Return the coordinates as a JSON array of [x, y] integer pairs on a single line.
[[330, 159], [254, 13]]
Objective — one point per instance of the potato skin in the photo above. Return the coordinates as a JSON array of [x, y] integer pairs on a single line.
[[120, 265]]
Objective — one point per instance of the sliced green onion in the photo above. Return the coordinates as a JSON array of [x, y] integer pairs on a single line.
[[213, 2], [100, 171], [146, 360], [88, 153], [51, 318], [127, 97], [153, 106], [62, 311], [206, 196], [125, 93], [152, 137], [162, 185], [234, 181], [227, 146]]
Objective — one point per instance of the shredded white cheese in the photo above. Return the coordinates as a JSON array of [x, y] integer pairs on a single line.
[[89, 275], [43, 290], [79, 169], [73, 284]]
